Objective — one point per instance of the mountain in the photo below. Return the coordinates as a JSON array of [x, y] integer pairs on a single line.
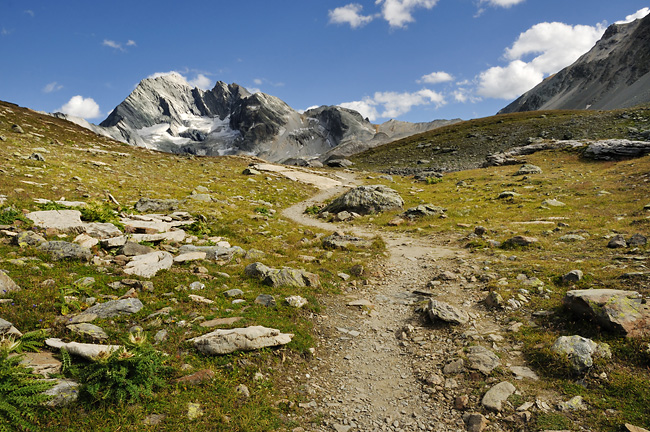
[[615, 73], [167, 114]]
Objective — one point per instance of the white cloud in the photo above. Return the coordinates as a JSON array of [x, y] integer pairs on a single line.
[[436, 78], [79, 106], [131, 42], [30, 13], [502, 3], [393, 104], [349, 14], [112, 44], [554, 46], [52, 87], [399, 13], [257, 81], [641, 13], [201, 81]]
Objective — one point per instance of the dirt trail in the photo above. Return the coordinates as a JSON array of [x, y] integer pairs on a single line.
[[379, 368]]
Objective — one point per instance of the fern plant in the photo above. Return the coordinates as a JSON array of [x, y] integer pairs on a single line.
[[125, 375], [21, 393]]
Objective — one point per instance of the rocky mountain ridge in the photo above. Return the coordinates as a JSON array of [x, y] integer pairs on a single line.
[[165, 113], [615, 73]]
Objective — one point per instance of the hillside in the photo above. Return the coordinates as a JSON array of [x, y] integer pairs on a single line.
[[615, 73], [243, 245], [465, 145]]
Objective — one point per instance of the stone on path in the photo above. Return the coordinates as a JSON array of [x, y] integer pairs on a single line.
[[438, 310], [114, 308], [495, 397], [618, 310], [365, 200], [7, 284], [522, 372], [482, 359], [240, 339], [149, 264], [475, 422]]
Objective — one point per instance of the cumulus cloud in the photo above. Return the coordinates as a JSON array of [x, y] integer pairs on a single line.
[[52, 87], [349, 14], [435, 78], [257, 81], [552, 47], [201, 81], [641, 13], [131, 42], [502, 3], [399, 13], [113, 44], [79, 106], [393, 104]]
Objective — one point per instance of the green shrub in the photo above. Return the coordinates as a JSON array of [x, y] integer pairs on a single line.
[[9, 215], [124, 376], [21, 392]]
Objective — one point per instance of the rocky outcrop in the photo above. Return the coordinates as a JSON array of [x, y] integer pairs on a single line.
[[615, 73], [615, 149], [365, 200]]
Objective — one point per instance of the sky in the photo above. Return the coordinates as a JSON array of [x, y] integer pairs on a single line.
[[411, 60]]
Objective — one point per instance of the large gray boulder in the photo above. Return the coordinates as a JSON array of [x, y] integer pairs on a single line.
[[240, 339], [617, 310], [62, 220], [282, 277], [613, 149], [7, 284], [365, 200], [115, 308], [60, 250], [580, 351]]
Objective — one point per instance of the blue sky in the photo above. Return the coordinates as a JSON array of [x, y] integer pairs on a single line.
[[413, 60]]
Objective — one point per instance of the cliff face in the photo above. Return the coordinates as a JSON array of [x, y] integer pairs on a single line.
[[615, 73]]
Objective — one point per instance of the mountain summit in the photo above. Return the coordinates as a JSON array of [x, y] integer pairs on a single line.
[[166, 113], [615, 73]]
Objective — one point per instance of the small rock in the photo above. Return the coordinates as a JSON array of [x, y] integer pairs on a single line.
[[617, 242], [553, 203], [149, 264], [438, 310], [572, 276], [7, 285], [523, 372], [243, 390], [194, 411], [266, 300], [521, 241], [482, 359], [60, 250], [115, 308], [528, 169], [87, 329], [574, 404], [296, 301], [233, 293], [475, 422], [197, 377], [454, 367], [240, 339], [461, 402], [63, 393], [637, 240], [154, 419], [494, 398]]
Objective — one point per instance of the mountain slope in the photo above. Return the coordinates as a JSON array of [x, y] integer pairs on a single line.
[[167, 114], [615, 73]]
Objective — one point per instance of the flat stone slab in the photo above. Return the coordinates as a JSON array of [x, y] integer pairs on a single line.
[[7, 284], [90, 330], [190, 256], [240, 339], [522, 372], [149, 264], [220, 321], [63, 220], [113, 308], [482, 359], [42, 363], [63, 393]]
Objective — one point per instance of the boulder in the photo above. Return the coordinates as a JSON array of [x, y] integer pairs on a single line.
[[482, 359], [424, 210], [113, 308], [580, 351], [149, 264], [521, 241], [145, 205], [87, 351], [572, 276], [240, 339], [528, 169], [265, 300], [7, 284], [365, 200], [102, 230], [87, 329], [60, 250], [41, 363], [438, 310], [133, 249], [282, 277], [497, 395], [62, 220], [637, 240], [225, 252], [28, 238], [617, 242], [614, 149], [344, 242], [617, 310]]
